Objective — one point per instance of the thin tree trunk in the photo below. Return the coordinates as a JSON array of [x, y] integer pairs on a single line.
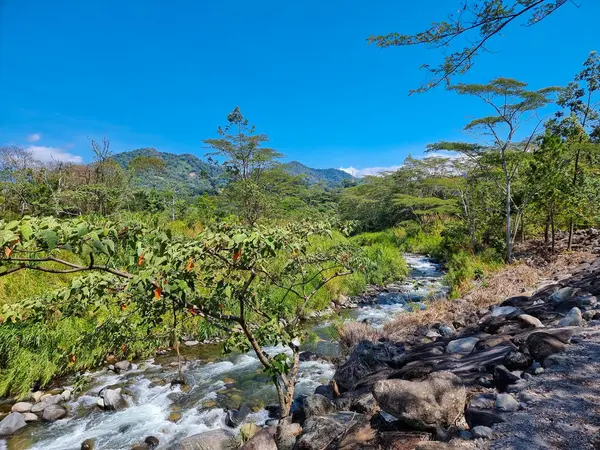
[[552, 225], [547, 230], [508, 229]]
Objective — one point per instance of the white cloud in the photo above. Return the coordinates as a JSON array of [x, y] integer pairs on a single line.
[[359, 173], [49, 154], [34, 137]]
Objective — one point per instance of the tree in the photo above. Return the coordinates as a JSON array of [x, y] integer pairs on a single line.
[[582, 121], [245, 161], [512, 104], [254, 283], [477, 21]]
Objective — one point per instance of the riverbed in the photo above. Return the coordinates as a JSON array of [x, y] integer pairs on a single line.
[[214, 383]]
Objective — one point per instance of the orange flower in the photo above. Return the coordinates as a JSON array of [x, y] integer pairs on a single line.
[[157, 293], [141, 260], [190, 265], [8, 251], [237, 255]]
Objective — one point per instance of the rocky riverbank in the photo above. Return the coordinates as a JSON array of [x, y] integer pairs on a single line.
[[494, 379]]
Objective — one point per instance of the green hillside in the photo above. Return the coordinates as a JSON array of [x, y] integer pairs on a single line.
[[198, 176]]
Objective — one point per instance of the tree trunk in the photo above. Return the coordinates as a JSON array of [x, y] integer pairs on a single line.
[[547, 230], [508, 229], [552, 225]]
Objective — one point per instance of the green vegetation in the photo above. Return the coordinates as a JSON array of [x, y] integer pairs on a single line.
[[133, 251]]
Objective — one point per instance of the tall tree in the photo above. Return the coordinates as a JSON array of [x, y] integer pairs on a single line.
[[245, 160], [477, 21], [582, 121], [512, 104]]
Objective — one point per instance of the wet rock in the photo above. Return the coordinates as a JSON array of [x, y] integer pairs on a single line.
[[462, 346], [504, 377], [113, 400], [174, 417], [542, 344], [30, 417], [481, 432], [326, 391], [530, 321], [209, 440], [45, 402], [54, 412], [12, 423], [152, 442], [436, 401], [319, 432], [572, 319], [308, 356], [262, 440], [88, 444], [506, 402], [21, 407], [235, 417], [517, 361], [122, 366]]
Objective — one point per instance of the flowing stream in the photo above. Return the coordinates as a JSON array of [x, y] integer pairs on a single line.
[[215, 383]]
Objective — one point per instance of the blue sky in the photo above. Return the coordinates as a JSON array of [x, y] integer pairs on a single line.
[[165, 74]]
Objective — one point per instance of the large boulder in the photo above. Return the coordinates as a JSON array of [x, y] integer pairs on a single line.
[[263, 440], [286, 435], [318, 432], [209, 440], [366, 359], [12, 423], [360, 400], [439, 400], [542, 344], [54, 412], [317, 405], [122, 366], [113, 399]]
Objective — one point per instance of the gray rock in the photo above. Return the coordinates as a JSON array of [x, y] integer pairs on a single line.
[[562, 294], [235, 417], [485, 417], [36, 396], [54, 412], [462, 346], [122, 366], [66, 395], [30, 417], [286, 435], [482, 432], [263, 440], [447, 331], [542, 344], [191, 343], [572, 319], [45, 403], [319, 432], [317, 405], [506, 402], [517, 387], [530, 321], [539, 370], [498, 311], [466, 435], [209, 440], [21, 407], [436, 401], [113, 400], [432, 334], [556, 360], [517, 361], [12, 423], [361, 401], [483, 401], [504, 377]]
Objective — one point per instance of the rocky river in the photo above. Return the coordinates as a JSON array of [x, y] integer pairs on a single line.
[[215, 384]]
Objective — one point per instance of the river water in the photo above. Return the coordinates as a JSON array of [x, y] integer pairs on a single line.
[[215, 383]]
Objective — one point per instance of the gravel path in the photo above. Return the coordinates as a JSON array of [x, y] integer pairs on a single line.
[[565, 409]]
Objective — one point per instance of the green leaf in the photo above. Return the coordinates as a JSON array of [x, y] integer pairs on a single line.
[[49, 238]]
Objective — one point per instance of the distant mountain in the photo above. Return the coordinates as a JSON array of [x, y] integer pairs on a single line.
[[199, 176], [331, 177]]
